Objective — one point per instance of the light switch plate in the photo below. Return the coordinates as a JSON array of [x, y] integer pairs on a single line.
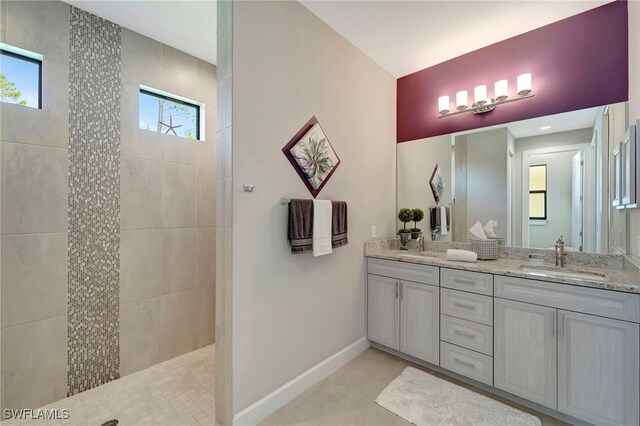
[[374, 232]]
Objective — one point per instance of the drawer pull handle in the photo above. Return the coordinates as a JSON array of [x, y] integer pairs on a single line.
[[463, 334], [463, 306], [468, 282], [466, 364]]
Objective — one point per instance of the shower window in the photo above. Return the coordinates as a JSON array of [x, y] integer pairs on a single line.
[[20, 77], [538, 192], [169, 114]]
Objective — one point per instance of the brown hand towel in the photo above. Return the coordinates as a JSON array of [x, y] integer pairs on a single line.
[[339, 224], [300, 229]]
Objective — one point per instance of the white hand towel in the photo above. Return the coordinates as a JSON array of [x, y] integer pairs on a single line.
[[461, 255], [477, 231], [443, 221], [322, 216]]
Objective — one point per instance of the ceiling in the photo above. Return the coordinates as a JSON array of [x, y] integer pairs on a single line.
[[563, 122], [573, 120], [186, 25], [407, 36]]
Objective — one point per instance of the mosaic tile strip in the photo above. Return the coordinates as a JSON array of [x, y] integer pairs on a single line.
[[94, 210]]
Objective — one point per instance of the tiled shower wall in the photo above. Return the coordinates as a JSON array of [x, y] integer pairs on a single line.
[[167, 214]]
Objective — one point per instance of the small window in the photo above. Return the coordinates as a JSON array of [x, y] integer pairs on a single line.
[[538, 192], [20, 77], [172, 115]]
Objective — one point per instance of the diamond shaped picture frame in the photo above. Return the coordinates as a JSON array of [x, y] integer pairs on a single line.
[[312, 156]]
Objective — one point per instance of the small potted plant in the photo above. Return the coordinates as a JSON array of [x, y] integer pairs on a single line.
[[418, 215], [405, 216]]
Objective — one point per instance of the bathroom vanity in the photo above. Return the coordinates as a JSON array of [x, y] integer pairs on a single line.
[[565, 339]]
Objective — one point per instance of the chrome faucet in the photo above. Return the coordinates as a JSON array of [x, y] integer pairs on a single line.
[[421, 243], [559, 251]]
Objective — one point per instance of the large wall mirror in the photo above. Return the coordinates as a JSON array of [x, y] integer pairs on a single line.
[[533, 180]]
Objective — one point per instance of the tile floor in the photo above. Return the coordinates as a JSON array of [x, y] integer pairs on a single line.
[[174, 393], [347, 397]]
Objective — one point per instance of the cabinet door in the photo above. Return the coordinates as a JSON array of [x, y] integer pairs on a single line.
[[383, 313], [525, 351], [419, 321], [598, 369]]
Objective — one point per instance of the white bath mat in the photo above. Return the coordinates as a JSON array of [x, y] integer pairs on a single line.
[[425, 400]]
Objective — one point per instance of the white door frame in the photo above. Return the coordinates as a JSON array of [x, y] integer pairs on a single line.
[[588, 214]]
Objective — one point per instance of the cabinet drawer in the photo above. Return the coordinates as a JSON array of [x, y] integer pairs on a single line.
[[605, 303], [475, 282], [469, 306], [424, 274], [470, 335], [468, 363]]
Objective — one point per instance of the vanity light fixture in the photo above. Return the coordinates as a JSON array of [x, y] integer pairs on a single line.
[[482, 102]]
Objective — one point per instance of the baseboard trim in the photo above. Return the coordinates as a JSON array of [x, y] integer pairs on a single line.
[[268, 405]]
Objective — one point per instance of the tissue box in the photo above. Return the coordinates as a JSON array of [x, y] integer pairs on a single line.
[[485, 249], [500, 240]]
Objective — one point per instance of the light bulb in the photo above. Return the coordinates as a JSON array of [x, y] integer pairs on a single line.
[[443, 104], [462, 100], [524, 84], [480, 94], [501, 90]]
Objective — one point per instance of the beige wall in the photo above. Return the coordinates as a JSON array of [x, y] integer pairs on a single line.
[[291, 312], [487, 179], [416, 161], [634, 108]]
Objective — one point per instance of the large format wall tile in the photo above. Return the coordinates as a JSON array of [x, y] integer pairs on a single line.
[[206, 201], [35, 183], [178, 195], [140, 264], [34, 363], [141, 60], [28, 21], [136, 142], [178, 312], [206, 247], [34, 277], [48, 126], [179, 73], [179, 259], [205, 316], [140, 193], [140, 335], [178, 149]]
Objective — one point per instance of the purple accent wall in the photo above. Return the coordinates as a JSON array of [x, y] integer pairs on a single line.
[[576, 63]]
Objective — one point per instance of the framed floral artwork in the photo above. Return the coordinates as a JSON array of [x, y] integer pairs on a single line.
[[312, 156], [437, 183]]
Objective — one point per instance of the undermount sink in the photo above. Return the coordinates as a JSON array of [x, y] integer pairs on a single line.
[[415, 256], [546, 271]]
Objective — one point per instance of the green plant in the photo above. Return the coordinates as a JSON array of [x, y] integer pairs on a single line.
[[404, 231], [405, 216], [418, 215]]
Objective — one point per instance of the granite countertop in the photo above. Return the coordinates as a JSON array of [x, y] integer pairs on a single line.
[[617, 279]]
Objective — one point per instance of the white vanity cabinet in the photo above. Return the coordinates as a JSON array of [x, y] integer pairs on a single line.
[[525, 351], [419, 321], [570, 348], [403, 308], [598, 369], [581, 363], [383, 311]]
